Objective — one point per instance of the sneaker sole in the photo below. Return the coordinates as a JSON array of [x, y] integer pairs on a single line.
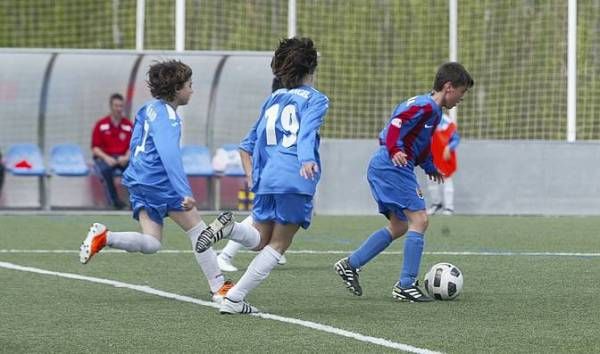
[[215, 228], [85, 250]]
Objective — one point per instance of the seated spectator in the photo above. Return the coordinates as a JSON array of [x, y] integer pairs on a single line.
[[110, 146]]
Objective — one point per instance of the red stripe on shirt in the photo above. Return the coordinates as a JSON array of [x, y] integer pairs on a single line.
[[410, 138], [394, 132]]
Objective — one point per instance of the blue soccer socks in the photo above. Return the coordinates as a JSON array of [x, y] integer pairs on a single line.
[[375, 244], [413, 250]]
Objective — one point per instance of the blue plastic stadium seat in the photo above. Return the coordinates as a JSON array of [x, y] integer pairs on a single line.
[[233, 169], [25, 160], [197, 161], [68, 160]]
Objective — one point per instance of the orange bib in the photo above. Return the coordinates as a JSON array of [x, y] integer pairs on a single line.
[[441, 139]]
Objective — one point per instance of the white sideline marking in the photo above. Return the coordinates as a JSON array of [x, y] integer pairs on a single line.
[[439, 253], [168, 295]]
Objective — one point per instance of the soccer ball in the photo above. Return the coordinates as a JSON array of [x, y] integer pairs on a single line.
[[444, 281]]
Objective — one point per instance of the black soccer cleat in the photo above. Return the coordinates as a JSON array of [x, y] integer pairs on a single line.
[[410, 294], [349, 276], [218, 229]]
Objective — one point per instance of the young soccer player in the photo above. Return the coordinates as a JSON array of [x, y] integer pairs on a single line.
[[226, 256], [157, 184], [405, 143], [284, 151]]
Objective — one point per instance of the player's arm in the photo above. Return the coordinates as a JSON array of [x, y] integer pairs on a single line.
[[432, 172], [247, 165], [311, 121], [454, 141], [246, 148], [452, 145], [165, 134], [247, 144], [401, 124]]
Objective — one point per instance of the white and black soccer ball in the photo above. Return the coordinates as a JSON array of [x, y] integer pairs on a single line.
[[444, 281]]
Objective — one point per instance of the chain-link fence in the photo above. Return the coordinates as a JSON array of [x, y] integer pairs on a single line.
[[374, 53]]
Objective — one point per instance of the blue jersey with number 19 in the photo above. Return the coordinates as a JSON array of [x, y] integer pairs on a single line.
[[285, 136], [156, 162]]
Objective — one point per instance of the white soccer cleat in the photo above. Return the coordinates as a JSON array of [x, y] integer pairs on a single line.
[[240, 307], [225, 264], [282, 260], [218, 296], [93, 243], [220, 228]]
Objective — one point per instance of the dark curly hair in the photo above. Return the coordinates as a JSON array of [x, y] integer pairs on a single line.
[[294, 58], [165, 78]]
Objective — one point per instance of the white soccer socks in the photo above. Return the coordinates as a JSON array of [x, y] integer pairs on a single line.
[[258, 270], [245, 234], [133, 242], [207, 260]]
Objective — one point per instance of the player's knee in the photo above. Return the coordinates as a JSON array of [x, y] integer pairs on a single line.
[[150, 245], [263, 242], [419, 222], [397, 230], [261, 245]]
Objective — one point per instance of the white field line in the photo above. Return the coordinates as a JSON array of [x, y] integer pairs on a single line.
[[440, 253], [148, 290]]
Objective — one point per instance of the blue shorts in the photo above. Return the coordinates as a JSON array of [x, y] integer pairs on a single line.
[[394, 188], [283, 208], [156, 206]]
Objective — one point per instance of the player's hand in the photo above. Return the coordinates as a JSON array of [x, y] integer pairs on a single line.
[[399, 159], [446, 153], [249, 180], [309, 169], [188, 203], [436, 177]]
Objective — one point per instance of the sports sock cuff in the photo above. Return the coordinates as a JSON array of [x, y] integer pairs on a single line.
[[195, 231], [248, 220], [387, 232], [272, 252], [245, 234], [412, 233]]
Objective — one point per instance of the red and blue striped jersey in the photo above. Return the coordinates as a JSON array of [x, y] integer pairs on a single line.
[[410, 129]]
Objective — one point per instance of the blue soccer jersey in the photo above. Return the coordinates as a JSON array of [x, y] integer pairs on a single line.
[[285, 136], [155, 162]]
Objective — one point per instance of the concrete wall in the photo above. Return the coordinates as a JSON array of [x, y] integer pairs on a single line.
[[51, 97], [494, 177]]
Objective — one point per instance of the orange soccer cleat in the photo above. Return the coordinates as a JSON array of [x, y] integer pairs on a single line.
[[220, 294], [93, 243]]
